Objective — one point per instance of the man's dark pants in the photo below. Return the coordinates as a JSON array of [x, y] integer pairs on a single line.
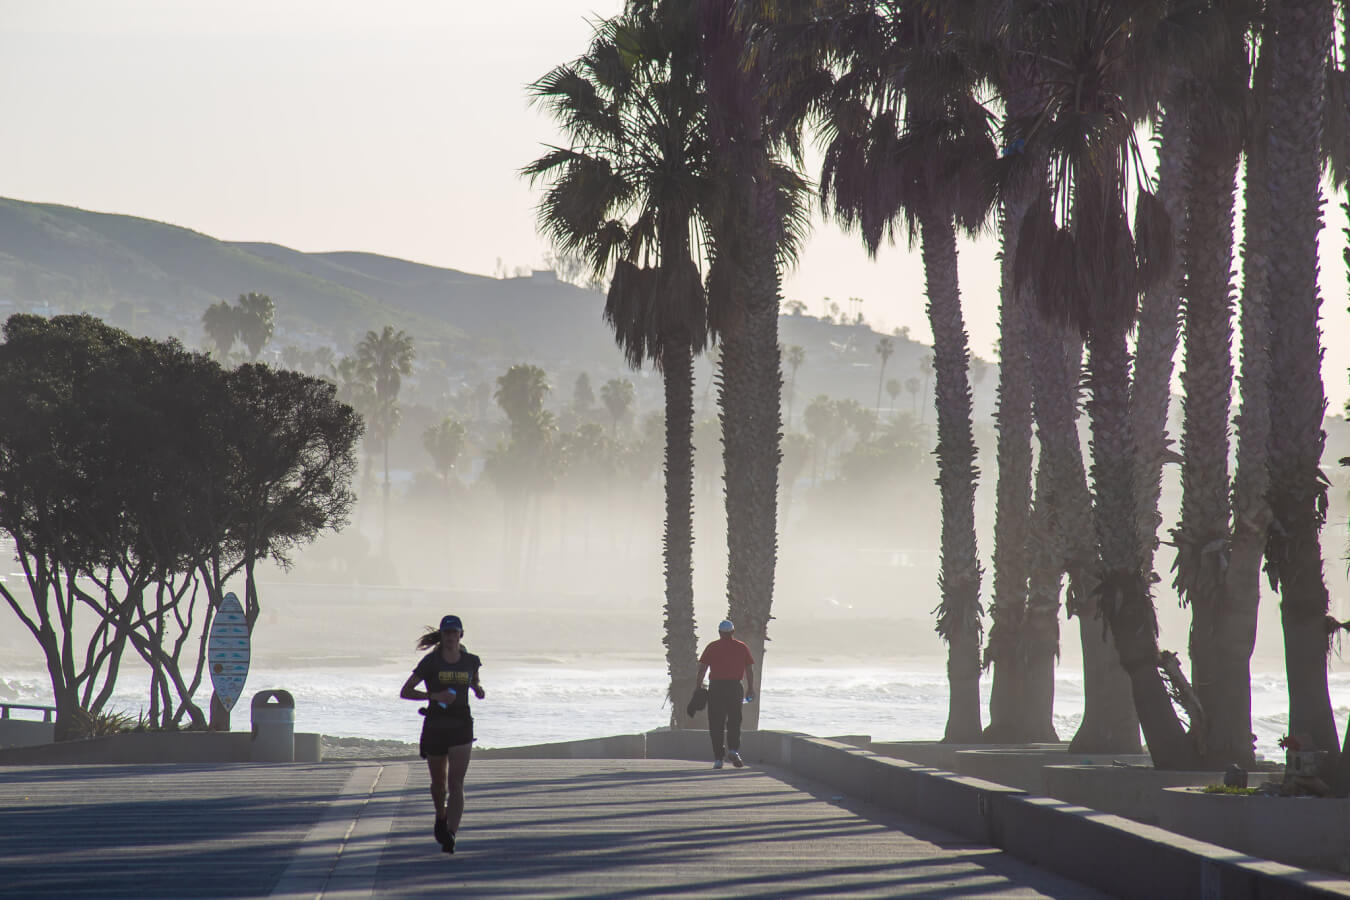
[[724, 714]]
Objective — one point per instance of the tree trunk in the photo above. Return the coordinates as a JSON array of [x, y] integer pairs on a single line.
[[1202, 536], [1298, 400], [1109, 723], [1122, 592], [681, 639], [1040, 633], [751, 395], [1009, 717], [959, 577], [1156, 343]]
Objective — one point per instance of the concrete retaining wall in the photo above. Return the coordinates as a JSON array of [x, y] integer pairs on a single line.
[[1300, 831], [1025, 767], [154, 747], [25, 733], [1129, 791]]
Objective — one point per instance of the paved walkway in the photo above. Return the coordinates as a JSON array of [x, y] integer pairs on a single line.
[[534, 828]]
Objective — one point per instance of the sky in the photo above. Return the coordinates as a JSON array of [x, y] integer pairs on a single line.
[[397, 128]]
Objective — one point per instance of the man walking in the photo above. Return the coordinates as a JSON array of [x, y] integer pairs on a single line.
[[726, 660]]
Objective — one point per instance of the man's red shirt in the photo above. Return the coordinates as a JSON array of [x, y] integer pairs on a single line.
[[726, 659]]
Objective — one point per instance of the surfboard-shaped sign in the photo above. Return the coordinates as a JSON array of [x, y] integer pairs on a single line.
[[227, 651]]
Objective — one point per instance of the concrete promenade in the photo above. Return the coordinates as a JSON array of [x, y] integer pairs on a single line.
[[630, 828]]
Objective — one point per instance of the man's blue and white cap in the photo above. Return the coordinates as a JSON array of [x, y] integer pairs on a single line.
[[451, 623], [726, 626]]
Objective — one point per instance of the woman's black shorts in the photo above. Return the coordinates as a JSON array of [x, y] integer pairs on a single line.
[[440, 733]]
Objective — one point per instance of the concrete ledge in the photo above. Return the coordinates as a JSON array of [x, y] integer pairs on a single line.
[[938, 755], [1025, 767], [153, 747], [1300, 831], [1130, 791], [623, 746]]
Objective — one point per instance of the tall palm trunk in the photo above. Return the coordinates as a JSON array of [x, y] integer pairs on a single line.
[[1007, 651], [1202, 537], [959, 577], [750, 397], [1298, 400], [1229, 715], [1156, 342], [1123, 593], [1110, 724], [680, 638]]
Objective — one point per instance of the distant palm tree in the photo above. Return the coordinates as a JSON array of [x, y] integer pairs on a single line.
[[221, 323], [795, 355], [885, 348], [893, 390], [618, 396], [444, 443], [382, 360], [257, 315], [912, 385]]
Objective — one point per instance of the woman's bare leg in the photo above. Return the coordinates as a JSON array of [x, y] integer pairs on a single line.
[[458, 766], [438, 767]]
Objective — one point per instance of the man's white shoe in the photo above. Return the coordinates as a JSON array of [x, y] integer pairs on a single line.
[[717, 764]]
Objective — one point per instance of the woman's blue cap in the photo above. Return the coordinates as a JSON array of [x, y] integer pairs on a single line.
[[451, 623]]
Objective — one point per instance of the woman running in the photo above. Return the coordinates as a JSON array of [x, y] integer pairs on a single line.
[[449, 672]]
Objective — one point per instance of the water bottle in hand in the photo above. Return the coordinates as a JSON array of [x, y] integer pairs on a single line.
[[445, 705]]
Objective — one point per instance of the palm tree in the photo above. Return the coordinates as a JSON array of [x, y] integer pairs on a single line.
[[885, 349], [257, 315], [583, 397], [912, 385], [618, 396], [1302, 34], [444, 442], [893, 391], [1089, 140], [382, 360], [221, 323], [794, 355], [906, 138], [755, 229], [633, 110]]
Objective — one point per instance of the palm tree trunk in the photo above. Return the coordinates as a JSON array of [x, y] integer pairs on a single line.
[[1202, 536], [1156, 342], [1109, 723], [1006, 650], [681, 639], [1229, 719], [1122, 592], [1039, 645], [751, 395], [1298, 400], [959, 579]]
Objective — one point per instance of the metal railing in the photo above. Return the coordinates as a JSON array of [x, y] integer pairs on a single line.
[[48, 712]]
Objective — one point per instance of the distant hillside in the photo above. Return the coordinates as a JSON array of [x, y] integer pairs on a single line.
[[157, 279]]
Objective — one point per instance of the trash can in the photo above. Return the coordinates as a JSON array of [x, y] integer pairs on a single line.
[[273, 727]]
